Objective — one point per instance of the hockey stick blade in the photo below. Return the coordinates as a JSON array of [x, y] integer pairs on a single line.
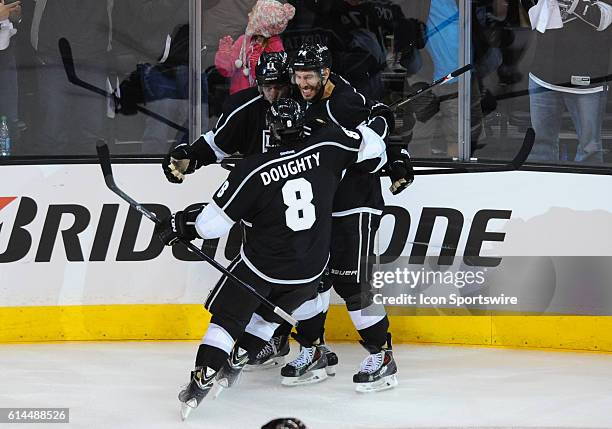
[[107, 170], [68, 61], [513, 165], [525, 150]]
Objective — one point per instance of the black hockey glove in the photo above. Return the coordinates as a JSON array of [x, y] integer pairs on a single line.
[[130, 93], [400, 171], [179, 225], [183, 159], [381, 109]]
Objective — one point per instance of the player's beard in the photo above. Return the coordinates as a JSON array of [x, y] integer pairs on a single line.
[[309, 92]]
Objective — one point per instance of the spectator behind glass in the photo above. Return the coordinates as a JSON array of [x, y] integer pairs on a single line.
[[570, 71], [237, 60], [437, 113], [363, 27], [10, 14], [71, 119], [151, 57]]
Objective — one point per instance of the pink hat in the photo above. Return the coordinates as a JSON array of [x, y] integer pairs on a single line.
[[269, 18]]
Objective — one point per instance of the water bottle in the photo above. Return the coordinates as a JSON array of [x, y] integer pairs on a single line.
[[5, 137]]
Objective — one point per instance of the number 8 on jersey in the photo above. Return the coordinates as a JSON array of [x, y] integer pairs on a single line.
[[297, 196]]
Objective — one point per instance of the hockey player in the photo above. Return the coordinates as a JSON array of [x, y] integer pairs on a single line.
[[284, 199], [241, 127], [356, 216]]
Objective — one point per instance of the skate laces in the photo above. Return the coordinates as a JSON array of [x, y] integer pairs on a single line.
[[372, 363], [304, 358], [268, 350]]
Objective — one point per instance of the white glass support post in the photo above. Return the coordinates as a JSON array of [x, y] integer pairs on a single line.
[[465, 90], [195, 69]]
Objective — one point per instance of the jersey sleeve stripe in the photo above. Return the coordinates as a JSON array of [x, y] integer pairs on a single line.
[[236, 110], [357, 210], [331, 115], [362, 97], [383, 161], [210, 140], [386, 130], [285, 158]]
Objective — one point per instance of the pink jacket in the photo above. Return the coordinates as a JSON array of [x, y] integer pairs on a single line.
[[228, 53]]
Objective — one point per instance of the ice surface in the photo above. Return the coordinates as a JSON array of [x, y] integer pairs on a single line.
[[134, 385]]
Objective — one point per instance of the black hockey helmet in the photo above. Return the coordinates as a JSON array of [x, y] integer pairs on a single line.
[[285, 119], [272, 67], [284, 423], [312, 56]]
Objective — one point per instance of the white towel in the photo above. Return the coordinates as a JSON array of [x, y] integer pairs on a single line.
[[6, 32], [545, 15]]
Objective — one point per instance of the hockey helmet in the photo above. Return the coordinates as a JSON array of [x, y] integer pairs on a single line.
[[284, 423], [285, 119], [312, 56], [272, 68]]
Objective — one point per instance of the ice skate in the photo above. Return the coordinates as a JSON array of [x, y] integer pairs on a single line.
[[377, 371], [199, 386], [272, 355], [332, 359], [229, 374], [307, 368]]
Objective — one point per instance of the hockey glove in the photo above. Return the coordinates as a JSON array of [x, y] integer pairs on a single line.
[[130, 93], [179, 225], [381, 109], [401, 172], [182, 160]]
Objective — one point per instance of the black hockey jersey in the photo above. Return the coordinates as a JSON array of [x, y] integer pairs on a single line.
[[240, 129], [359, 190], [284, 198]]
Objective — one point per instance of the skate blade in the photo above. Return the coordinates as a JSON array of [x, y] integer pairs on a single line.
[[311, 377], [331, 370], [217, 388], [187, 408], [384, 383], [269, 364]]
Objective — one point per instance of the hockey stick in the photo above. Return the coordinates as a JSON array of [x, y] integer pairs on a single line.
[[105, 163], [431, 86], [68, 60], [513, 165]]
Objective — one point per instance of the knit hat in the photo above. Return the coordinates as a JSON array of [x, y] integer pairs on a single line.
[[269, 18]]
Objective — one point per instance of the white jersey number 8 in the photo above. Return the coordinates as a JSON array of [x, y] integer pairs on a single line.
[[297, 196]]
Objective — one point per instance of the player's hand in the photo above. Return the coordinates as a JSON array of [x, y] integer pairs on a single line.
[[179, 225], [130, 93], [401, 173], [381, 109], [180, 161]]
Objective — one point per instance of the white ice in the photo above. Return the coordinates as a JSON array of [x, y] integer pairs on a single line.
[[134, 385]]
